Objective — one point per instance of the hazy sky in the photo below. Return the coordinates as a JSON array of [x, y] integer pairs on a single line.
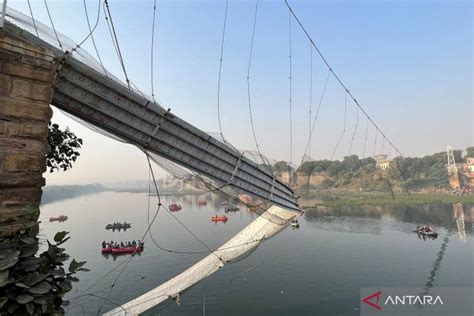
[[409, 63]]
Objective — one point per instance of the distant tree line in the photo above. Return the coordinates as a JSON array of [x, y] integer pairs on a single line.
[[404, 173]]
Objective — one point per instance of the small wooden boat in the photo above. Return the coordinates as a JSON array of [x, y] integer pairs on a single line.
[[218, 218], [60, 218]]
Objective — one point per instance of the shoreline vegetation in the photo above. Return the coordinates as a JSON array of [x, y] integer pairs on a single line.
[[324, 198], [340, 199]]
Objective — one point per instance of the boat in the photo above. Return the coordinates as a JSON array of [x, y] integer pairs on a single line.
[[118, 226], [107, 250], [127, 250], [60, 218], [122, 250], [232, 209], [421, 232], [174, 207], [225, 203], [202, 203], [294, 223], [218, 218]]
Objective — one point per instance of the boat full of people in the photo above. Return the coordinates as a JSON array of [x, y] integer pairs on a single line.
[[218, 218], [173, 207], [60, 218], [118, 226], [117, 248], [426, 230]]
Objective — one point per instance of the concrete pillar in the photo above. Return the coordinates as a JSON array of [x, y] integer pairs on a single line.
[[26, 76]]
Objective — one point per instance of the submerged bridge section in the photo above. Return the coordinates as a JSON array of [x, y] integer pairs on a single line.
[[103, 101]]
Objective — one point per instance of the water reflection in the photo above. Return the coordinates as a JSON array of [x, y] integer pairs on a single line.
[[333, 254], [458, 212], [436, 264], [369, 218], [425, 237]]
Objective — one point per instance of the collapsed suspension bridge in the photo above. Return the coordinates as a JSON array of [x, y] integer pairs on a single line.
[[90, 93]]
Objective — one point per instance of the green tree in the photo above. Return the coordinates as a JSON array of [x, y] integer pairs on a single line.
[[282, 166], [64, 148], [470, 151], [308, 168], [327, 183]]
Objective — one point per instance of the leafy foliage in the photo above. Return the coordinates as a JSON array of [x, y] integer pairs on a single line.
[[63, 148], [32, 285], [404, 174], [470, 151]]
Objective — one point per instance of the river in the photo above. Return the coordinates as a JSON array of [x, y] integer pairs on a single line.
[[316, 269]]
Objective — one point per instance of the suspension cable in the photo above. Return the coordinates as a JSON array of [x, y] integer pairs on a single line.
[[343, 128], [116, 43], [220, 69], [337, 77], [323, 93], [92, 35], [290, 86], [52, 24], [375, 143], [310, 96], [366, 136], [355, 130], [248, 81], [152, 52], [33, 18]]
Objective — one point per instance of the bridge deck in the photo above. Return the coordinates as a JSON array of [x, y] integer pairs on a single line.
[[108, 104]]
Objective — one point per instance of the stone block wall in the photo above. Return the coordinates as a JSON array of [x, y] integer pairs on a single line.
[[26, 76]]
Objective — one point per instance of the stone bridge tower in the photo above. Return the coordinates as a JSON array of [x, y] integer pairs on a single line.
[[26, 76]]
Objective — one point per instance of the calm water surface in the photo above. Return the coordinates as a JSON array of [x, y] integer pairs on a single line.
[[317, 269]]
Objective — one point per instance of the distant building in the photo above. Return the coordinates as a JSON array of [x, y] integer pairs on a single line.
[[382, 162]]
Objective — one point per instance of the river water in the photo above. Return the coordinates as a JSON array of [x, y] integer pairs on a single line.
[[316, 269]]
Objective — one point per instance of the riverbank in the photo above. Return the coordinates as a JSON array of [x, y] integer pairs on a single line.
[[162, 191], [330, 199]]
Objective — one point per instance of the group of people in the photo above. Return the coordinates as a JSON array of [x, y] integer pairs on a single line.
[[120, 224], [464, 190], [122, 244], [424, 228]]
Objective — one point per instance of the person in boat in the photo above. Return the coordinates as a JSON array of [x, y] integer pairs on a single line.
[[104, 244], [134, 243]]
